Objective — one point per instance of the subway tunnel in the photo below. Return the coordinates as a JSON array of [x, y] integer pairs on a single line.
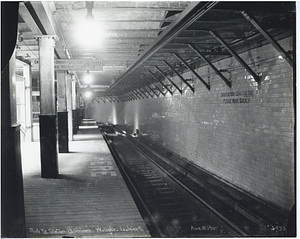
[[209, 88]]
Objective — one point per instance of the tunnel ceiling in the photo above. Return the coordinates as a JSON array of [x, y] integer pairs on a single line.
[[145, 44]]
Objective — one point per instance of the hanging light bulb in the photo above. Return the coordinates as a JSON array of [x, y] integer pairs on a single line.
[[88, 94], [88, 79], [89, 16], [89, 33]]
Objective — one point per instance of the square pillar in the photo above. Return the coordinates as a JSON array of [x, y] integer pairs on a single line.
[[69, 106], [12, 195], [74, 107], [28, 102], [48, 138], [62, 114]]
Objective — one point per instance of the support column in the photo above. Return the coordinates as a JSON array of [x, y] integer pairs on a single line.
[[12, 196], [69, 106], [62, 114], [79, 108], [74, 107], [28, 102], [48, 139]]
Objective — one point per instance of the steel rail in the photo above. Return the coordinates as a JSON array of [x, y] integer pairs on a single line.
[[185, 19], [117, 157], [189, 191], [199, 181]]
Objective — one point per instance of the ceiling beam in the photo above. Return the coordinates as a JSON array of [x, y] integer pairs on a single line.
[[184, 20], [236, 56], [268, 36], [180, 77], [227, 82], [41, 14], [193, 71]]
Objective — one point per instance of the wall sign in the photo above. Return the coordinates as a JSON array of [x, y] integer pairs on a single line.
[[81, 65], [237, 97]]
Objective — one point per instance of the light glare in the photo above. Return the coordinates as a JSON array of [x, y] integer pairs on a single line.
[[88, 79], [88, 94], [90, 34]]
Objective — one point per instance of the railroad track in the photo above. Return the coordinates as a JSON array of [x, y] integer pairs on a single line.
[[172, 203]]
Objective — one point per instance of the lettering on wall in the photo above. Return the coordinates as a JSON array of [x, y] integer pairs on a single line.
[[72, 64], [234, 97]]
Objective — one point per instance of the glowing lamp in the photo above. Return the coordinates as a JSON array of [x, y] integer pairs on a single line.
[[88, 94], [88, 79]]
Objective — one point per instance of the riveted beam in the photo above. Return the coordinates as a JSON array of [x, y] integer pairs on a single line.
[[235, 55], [127, 97], [146, 77], [177, 73], [141, 86], [138, 93], [192, 70], [136, 97], [148, 92], [143, 93], [108, 99], [122, 98], [127, 93], [133, 96], [145, 90], [102, 99], [115, 98], [193, 12], [155, 77], [227, 82], [130, 96], [111, 98], [267, 35], [172, 82], [124, 93], [151, 90], [131, 93]]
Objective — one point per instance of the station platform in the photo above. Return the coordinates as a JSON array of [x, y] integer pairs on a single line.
[[88, 199]]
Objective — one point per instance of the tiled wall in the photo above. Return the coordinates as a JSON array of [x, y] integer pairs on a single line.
[[243, 134]]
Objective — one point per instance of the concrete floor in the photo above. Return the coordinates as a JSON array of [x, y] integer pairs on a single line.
[[89, 199]]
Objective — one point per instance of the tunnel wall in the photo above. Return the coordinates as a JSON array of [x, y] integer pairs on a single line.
[[243, 134]]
